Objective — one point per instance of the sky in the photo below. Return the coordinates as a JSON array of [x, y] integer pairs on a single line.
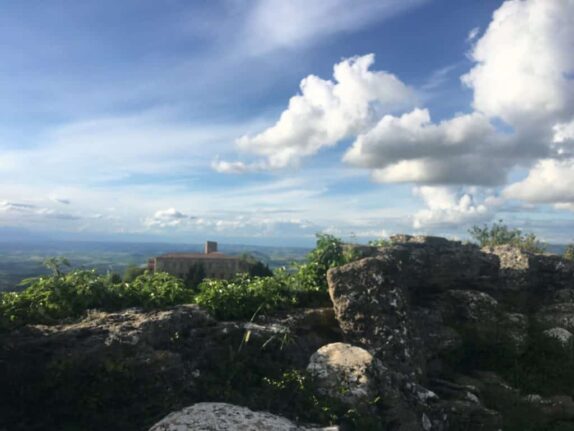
[[267, 121]]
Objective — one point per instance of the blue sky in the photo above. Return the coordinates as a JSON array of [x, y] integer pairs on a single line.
[[163, 119]]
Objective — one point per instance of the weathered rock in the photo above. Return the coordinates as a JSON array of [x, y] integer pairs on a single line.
[[373, 310], [557, 315], [53, 377], [520, 269], [558, 407], [514, 327], [562, 335], [346, 372], [470, 306], [226, 417]]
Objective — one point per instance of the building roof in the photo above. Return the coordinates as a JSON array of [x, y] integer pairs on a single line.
[[203, 256]]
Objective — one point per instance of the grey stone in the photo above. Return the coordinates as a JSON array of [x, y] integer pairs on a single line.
[[226, 417]]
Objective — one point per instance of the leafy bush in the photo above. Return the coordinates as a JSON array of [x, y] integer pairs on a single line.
[[244, 296], [501, 234], [569, 252], [381, 242], [132, 272], [50, 299]]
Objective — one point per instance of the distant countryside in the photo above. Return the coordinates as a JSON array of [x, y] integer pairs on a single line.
[[22, 260]]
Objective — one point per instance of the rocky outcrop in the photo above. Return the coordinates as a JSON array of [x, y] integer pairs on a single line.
[[137, 366], [412, 304], [226, 417]]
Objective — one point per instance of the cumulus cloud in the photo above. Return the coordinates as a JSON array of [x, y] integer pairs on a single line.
[[549, 181], [448, 208], [524, 63], [324, 113], [411, 148], [522, 115]]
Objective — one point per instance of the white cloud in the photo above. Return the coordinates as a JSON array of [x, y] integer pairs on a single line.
[[167, 218], [21, 212], [258, 225], [324, 113], [411, 148], [273, 24], [524, 61], [104, 149], [564, 133], [448, 208], [549, 181], [473, 34]]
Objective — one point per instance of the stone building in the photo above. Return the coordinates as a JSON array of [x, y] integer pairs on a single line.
[[215, 264]]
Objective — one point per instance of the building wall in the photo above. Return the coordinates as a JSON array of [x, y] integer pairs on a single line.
[[214, 268]]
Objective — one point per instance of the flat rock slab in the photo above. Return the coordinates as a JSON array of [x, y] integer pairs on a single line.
[[226, 417]]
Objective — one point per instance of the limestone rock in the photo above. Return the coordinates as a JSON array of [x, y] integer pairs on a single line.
[[560, 334], [346, 372], [557, 315], [471, 306], [226, 417], [148, 362]]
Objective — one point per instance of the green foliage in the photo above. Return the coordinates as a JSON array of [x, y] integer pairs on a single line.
[[132, 272], [244, 296], [294, 394], [381, 242], [50, 299], [194, 276], [544, 366], [256, 267], [55, 264], [569, 252], [67, 295], [328, 253], [259, 269], [500, 234]]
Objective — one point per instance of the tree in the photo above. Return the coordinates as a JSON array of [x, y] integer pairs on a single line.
[[194, 276], [132, 272], [500, 234], [55, 265], [569, 252], [256, 267]]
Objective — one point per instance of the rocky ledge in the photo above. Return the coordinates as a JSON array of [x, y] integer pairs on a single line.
[[426, 334]]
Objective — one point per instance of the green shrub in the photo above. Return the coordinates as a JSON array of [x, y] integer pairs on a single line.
[[50, 299], [244, 296], [381, 242], [132, 272], [501, 234], [295, 395], [569, 252]]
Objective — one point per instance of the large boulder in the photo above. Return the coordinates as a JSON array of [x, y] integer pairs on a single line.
[[226, 417], [373, 310], [346, 372]]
